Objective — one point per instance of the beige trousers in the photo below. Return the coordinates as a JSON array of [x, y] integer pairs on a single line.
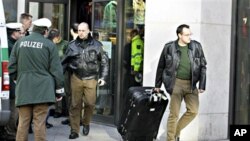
[[83, 91], [39, 112], [182, 91]]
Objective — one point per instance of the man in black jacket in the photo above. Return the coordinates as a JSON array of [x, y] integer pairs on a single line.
[[86, 60], [181, 66]]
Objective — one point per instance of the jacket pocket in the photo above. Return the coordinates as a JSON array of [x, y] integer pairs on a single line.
[[168, 61], [166, 78], [92, 55]]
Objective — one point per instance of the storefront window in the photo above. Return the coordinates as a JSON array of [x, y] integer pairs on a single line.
[[55, 12], [242, 88], [134, 22], [10, 10], [104, 30]]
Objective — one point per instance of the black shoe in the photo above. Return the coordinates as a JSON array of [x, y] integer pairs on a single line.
[[177, 138], [48, 125], [6, 137], [30, 130], [73, 135], [65, 122], [85, 130], [10, 138], [57, 115]]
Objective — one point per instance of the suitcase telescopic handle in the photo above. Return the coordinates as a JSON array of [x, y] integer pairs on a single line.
[[157, 96]]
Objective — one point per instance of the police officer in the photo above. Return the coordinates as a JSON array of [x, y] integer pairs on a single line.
[[86, 59], [14, 32], [36, 68], [137, 46]]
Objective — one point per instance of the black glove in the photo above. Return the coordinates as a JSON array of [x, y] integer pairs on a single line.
[[58, 96]]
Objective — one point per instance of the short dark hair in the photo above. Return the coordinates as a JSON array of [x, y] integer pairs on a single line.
[[25, 16], [53, 33], [75, 27], [134, 32], [180, 28], [40, 29]]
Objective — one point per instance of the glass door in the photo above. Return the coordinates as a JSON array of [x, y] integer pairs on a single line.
[[104, 27], [54, 10]]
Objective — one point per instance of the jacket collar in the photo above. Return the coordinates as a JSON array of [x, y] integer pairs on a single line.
[[12, 39], [89, 40], [178, 48]]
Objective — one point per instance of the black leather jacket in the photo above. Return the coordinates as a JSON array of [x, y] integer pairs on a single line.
[[86, 59], [169, 63]]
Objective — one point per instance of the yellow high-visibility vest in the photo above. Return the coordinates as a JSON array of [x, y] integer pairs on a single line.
[[137, 53]]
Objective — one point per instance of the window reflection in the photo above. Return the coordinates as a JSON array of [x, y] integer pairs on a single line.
[[104, 29], [134, 27]]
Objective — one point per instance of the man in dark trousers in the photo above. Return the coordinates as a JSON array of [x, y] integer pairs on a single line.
[[86, 60], [36, 67], [181, 66]]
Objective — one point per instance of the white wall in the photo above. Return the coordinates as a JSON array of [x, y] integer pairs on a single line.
[[20, 8], [210, 22]]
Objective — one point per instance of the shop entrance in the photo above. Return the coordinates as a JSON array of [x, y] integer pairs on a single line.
[[101, 17]]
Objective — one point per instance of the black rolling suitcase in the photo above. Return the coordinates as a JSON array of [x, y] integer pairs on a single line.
[[142, 114]]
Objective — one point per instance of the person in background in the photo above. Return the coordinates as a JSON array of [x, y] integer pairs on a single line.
[[14, 32], [137, 49], [181, 66], [73, 31], [26, 20], [35, 66], [85, 58], [55, 36]]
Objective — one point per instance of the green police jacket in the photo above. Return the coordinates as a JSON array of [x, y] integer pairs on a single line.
[[36, 67], [62, 47]]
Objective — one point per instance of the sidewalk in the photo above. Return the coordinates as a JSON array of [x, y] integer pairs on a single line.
[[98, 132]]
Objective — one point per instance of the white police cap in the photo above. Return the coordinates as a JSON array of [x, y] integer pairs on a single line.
[[42, 22], [14, 26]]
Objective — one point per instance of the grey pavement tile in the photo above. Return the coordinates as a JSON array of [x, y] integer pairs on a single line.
[[98, 132]]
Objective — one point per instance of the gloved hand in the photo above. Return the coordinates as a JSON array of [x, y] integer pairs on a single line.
[[157, 90], [59, 94], [101, 82], [59, 98]]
